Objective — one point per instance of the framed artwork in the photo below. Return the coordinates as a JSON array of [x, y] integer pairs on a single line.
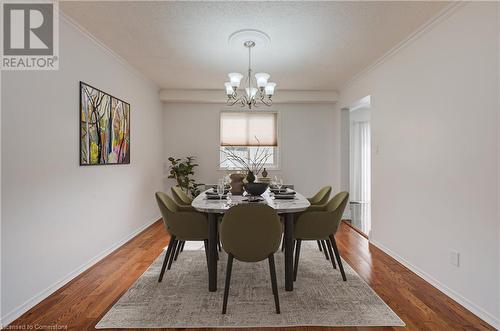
[[104, 128]]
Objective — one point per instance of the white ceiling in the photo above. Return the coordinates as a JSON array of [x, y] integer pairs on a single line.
[[314, 45]]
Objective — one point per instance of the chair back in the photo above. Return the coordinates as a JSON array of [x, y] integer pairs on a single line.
[[167, 206], [180, 196], [322, 196], [251, 232], [336, 207]]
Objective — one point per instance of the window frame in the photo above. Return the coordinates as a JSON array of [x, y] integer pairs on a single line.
[[277, 155]]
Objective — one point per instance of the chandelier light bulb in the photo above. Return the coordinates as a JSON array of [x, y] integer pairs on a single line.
[[235, 78], [262, 79], [229, 88], [251, 92], [270, 88]]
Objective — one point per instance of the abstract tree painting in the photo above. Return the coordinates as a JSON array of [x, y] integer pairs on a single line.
[[104, 128]]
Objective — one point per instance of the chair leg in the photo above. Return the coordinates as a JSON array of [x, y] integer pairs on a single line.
[[274, 284], [337, 255], [330, 252], [172, 254], [205, 244], [178, 250], [218, 243], [324, 248], [297, 256], [319, 245], [283, 244], [228, 281], [182, 247], [167, 256]]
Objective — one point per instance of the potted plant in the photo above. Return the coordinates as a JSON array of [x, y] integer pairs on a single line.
[[182, 170]]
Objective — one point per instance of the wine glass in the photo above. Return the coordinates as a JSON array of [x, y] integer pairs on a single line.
[[279, 183], [220, 188]]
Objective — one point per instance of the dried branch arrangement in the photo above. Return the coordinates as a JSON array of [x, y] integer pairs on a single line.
[[249, 165]]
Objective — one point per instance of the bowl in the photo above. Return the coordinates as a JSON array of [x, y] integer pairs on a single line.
[[255, 188]]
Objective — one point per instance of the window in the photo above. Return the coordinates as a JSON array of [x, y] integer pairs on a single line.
[[249, 133]]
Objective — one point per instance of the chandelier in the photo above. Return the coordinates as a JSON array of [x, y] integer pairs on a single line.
[[258, 90]]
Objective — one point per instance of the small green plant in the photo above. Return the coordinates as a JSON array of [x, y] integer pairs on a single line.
[[182, 170]]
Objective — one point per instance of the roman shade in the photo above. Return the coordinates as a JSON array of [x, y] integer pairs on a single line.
[[248, 129]]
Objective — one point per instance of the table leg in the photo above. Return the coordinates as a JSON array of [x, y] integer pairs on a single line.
[[212, 252], [289, 251]]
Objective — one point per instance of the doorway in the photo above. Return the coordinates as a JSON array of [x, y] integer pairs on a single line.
[[360, 165]]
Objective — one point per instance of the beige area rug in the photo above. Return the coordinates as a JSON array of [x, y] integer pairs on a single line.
[[182, 299]]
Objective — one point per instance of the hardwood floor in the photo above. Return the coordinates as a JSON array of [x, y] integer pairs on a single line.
[[81, 303]]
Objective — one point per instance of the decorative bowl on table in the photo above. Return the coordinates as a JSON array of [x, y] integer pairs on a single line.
[[255, 189]]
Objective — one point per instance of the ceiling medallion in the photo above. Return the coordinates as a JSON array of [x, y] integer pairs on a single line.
[[258, 90]]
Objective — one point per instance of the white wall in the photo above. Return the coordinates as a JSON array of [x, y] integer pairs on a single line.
[[498, 141], [308, 156], [58, 217], [435, 179]]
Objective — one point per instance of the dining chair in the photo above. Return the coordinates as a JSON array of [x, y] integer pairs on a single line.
[[180, 196], [184, 224], [321, 198], [251, 233], [321, 223], [184, 200]]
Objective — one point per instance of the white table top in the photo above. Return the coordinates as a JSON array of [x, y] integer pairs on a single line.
[[300, 203]]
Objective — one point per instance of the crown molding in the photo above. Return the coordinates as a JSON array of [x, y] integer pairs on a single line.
[[441, 16], [105, 48], [219, 96]]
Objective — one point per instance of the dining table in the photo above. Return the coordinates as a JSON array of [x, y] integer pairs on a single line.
[[215, 207]]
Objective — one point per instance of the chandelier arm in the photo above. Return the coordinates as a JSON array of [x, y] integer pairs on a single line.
[[267, 102], [231, 102], [244, 101]]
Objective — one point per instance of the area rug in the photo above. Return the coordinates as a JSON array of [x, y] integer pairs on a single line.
[[182, 299]]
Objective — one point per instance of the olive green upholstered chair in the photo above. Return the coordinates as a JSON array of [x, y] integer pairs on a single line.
[[319, 199], [180, 196], [251, 233], [183, 223], [321, 224], [184, 200]]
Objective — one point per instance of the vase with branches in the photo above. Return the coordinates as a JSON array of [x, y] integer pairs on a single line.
[[182, 171], [252, 166]]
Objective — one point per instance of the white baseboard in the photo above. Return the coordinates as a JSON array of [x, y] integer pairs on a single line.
[[30, 303], [469, 305]]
